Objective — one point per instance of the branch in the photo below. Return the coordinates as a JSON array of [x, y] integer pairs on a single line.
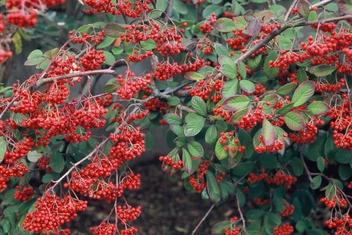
[[241, 215], [293, 4], [204, 217]]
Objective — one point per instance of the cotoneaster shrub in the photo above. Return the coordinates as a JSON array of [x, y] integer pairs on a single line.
[[257, 102]]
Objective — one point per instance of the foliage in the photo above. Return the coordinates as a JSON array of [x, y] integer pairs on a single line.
[[257, 110]]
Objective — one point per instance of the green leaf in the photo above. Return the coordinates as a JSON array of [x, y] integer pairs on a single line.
[[172, 118], [34, 54], [230, 88], [275, 218], [294, 121], [318, 108], [316, 182], [330, 191], [236, 102], [303, 8], [34, 61], [286, 89], [297, 166], [180, 141], [224, 25], [322, 70], [254, 63], [180, 7], [278, 203], [243, 73], [173, 101], [195, 149], [5, 226], [106, 42], [219, 150], [24, 207], [321, 164], [220, 49], [193, 127], [57, 162], [254, 214], [111, 86], [284, 42], [177, 129], [247, 86], [199, 105], [32, 156], [212, 8], [259, 77], [8, 196], [345, 171], [236, 117], [312, 16], [241, 198], [242, 169], [226, 188], [330, 148], [218, 228], [247, 141], [109, 58], [268, 133], [3, 145], [315, 149], [212, 187], [47, 178], [228, 69], [301, 75], [271, 73], [148, 45], [268, 224], [149, 141], [343, 156], [187, 160], [303, 92], [193, 76], [269, 161], [211, 135]]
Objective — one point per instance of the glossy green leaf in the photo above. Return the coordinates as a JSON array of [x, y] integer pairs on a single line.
[[284, 42], [269, 161], [247, 86], [268, 133], [173, 101], [254, 214], [211, 135], [148, 45], [212, 187], [172, 118], [318, 108], [247, 141], [301, 75], [106, 42], [225, 25], [3, 147], [212, 8], [219, 150], [236, 102], [226, 188], [286, 89], [242, 169], [195, 149], [149, 141], [316, 182], [57, 162], [322, 70], [199, 105], [243, 72], [177, 129], [229, 70], [219, 48], [345, 171], [218, 228], [193, 127], [32, 156], [47, 178], [113, 29], [303, 93], [294, 121], [321, 164], [271, 73], [254, 63], [297, 166], [343, 156], [180, 7], [109, 58], [187, 160], [193, 76], [24, 207], [230, 88]]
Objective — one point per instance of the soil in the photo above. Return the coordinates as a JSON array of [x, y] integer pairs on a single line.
[[167, 207]]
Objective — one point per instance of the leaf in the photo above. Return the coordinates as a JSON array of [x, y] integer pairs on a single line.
[[254, 214], [253, 63], [212, 8], [271, 73], [242, 169], [51, 53], [149, 141], [247, 86], [284, 42], [316, 182], [34, 61], [180, 7], [345, 171], [117, 50], [236, 102], [193, 76], [269, 161], [285, 109], [199, 105], [24, 207], [226, 188], [249, 15], [303, 8], [194, 127], [253, 27], [173, 101], [240, 22], [111, 86], [318, 108], [265, 16], [303, 92], [286, 89], [109, 58], [187, 160], [243, 70], [268, 133], [32, 156], [246, 140], [321, 164], [177, 129], [229, 70], [180, 141], [224, 25], [113, 29], [230, 88], [345, 6], [294, 121], [195, 149], [218, 228], [148, 45], [34, 54], [259, 77], [213, 187], [343, 156], [297, 166], [219, 150], [236, 117], [220, 49], [322, 70], [211, 135], [172, 118], [3, 145], [57, 162], [106, 42], [301, 75], [47, 178]]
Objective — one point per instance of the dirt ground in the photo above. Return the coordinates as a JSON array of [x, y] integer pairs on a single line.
[[167, 208]]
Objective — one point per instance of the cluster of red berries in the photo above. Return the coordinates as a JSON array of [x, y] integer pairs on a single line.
[[94, 37], [261, 202], [288, 210], [232, 231], [279, 178], [136, 56], [4, 54], [104, 229], [156, 105], [197, 180], [208, 27], [279, 143], [165, 70], [306, 135], [231, 141], [124, 7], [11, 170], [128, 213], [322, 86], [43, 163], [130, 84], [23, 193], [19, 150], [341, 223], [51, 212], [92, 59], [239, 41], [283, 229], [168, 161]]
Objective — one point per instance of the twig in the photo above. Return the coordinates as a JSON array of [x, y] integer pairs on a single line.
[[241, 215], [293, 4], [204, 217], [321, 3], [306, 169]]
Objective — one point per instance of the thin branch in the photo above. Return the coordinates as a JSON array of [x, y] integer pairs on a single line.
[[306, 169], [293, 4], [321, 3], [241, 215], [202, 220], [169, 10]]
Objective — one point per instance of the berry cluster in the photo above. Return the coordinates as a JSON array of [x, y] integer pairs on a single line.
[[51, 212], [208, 27], [279, 178], [128, 213], [197, 180], [131, 84], [93, 59], [288, 210], [284, 229], [23, 193], [43, 163]]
